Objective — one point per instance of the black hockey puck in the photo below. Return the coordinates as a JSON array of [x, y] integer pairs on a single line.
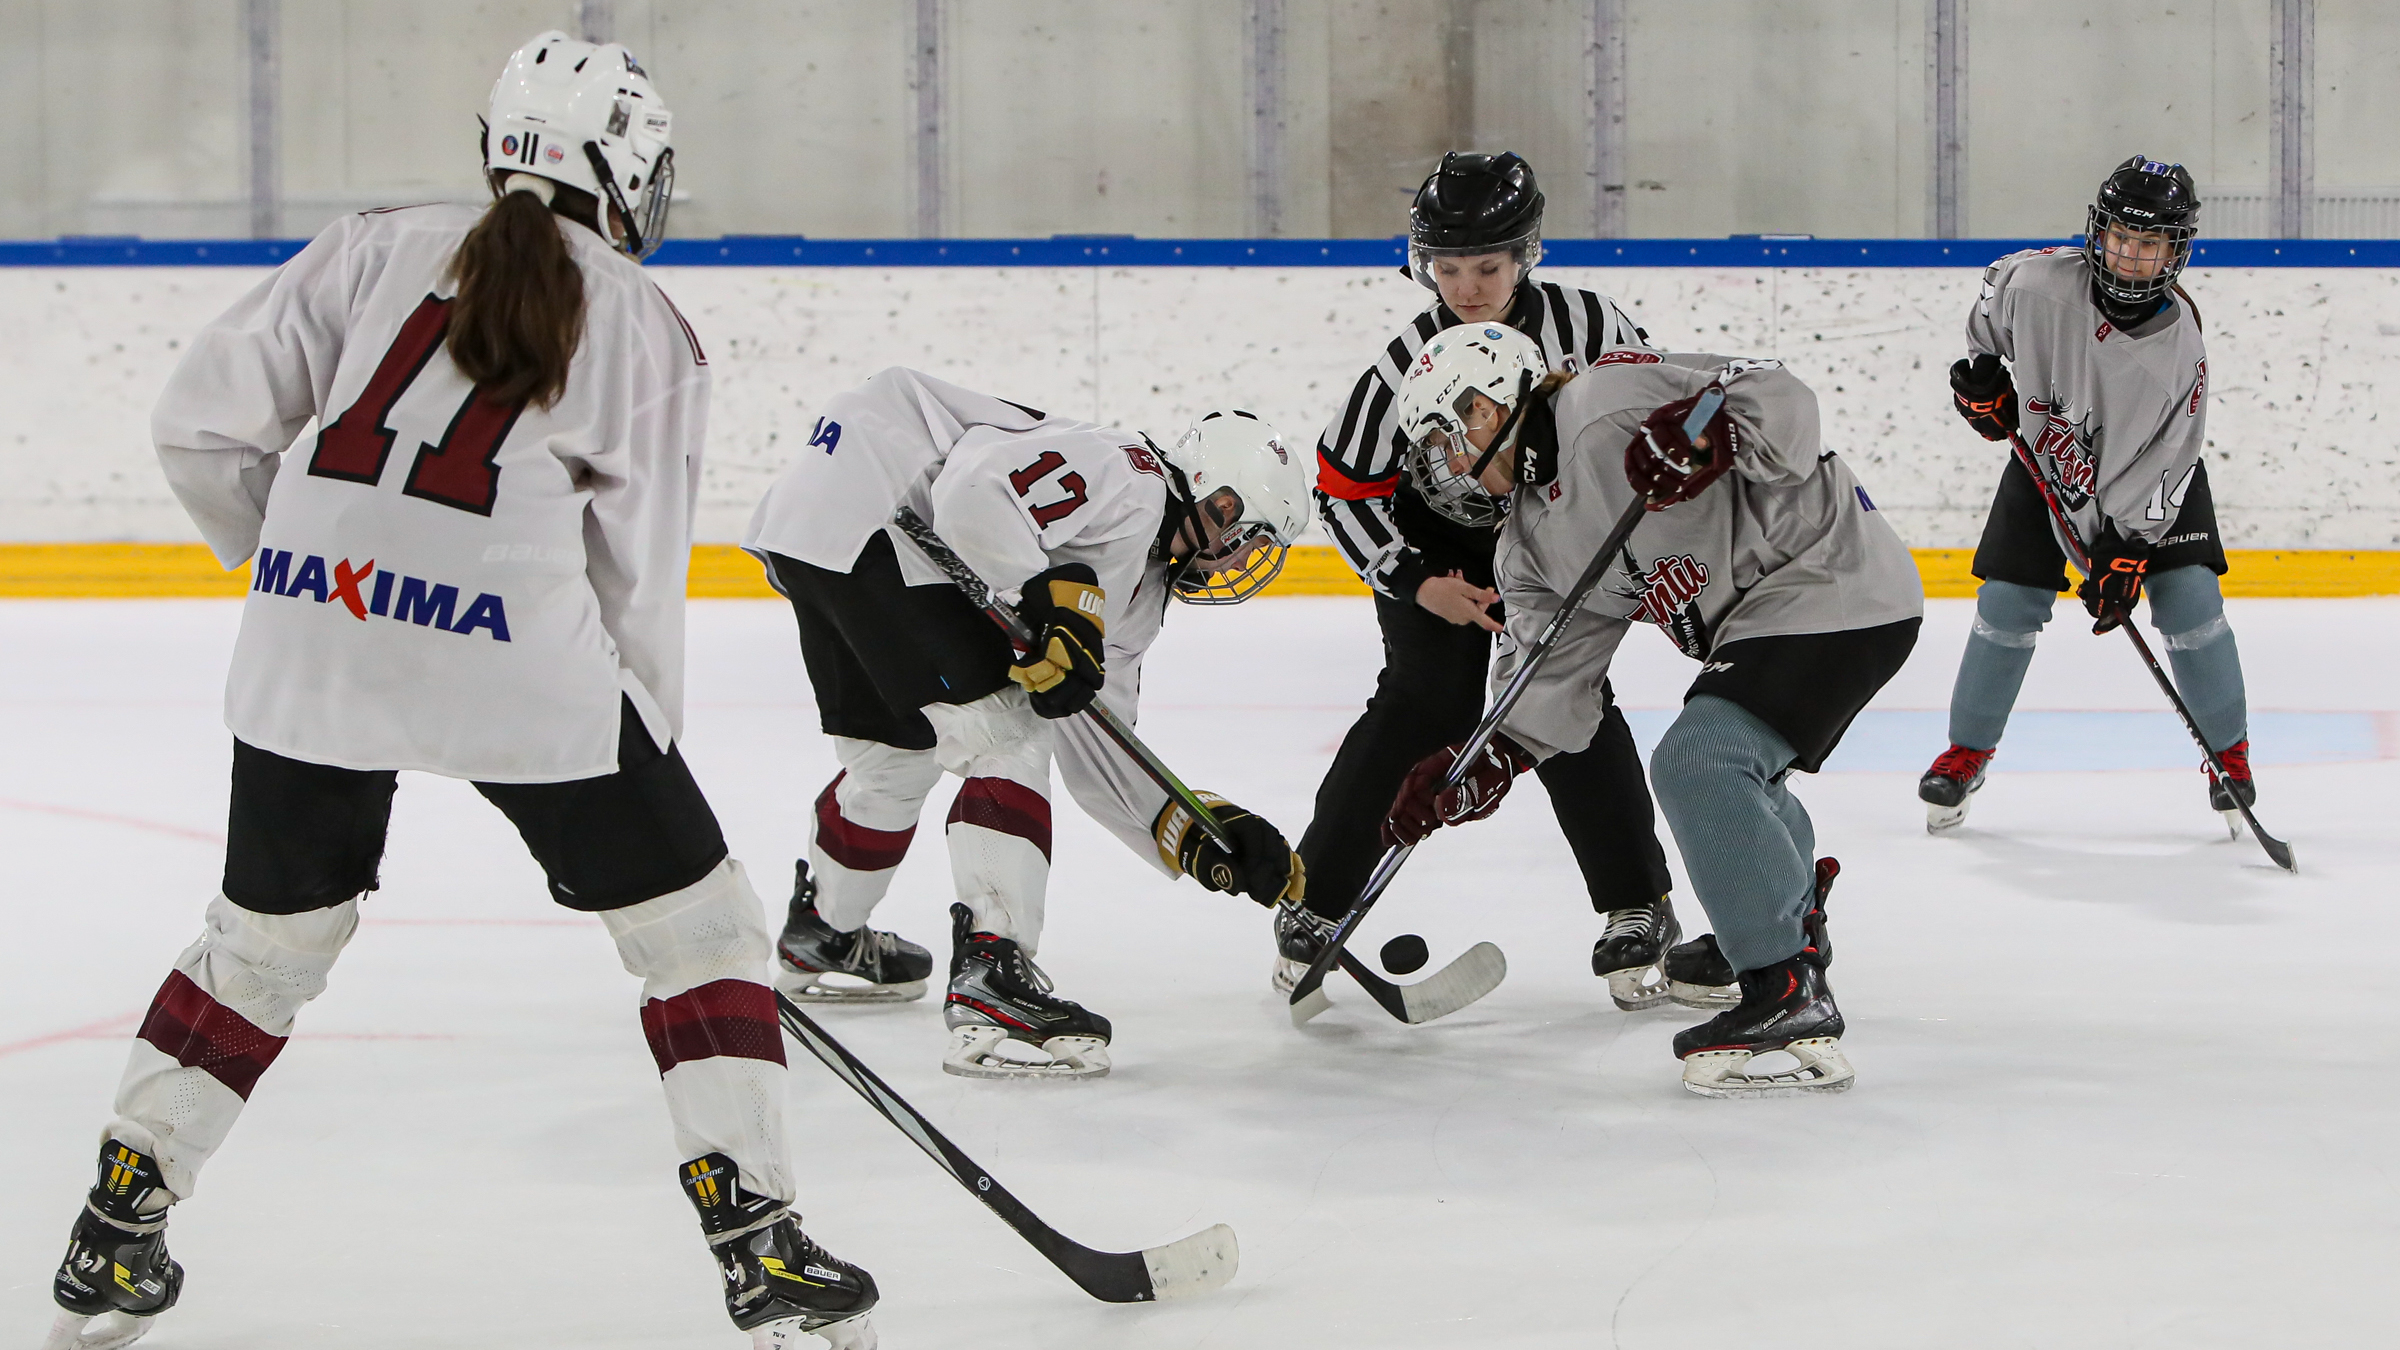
[[1405, 954]]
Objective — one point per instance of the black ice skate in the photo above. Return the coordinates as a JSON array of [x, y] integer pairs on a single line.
[[1300, 937], [1956, 775], [816, 962], [1786, 1006], [117, 1275], [1698, 976], [999, 999], [1631, 954], [778, 1282], [2236, 785]]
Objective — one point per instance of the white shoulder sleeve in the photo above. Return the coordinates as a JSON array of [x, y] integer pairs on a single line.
[[248, 384]]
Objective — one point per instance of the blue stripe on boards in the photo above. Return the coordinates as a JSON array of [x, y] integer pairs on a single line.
[[1128, 251]]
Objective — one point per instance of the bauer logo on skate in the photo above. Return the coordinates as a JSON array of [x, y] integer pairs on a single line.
[[386, 594]]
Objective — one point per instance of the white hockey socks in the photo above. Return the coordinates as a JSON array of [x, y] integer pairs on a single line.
[[703, 954], [220, 1019], [865, 819], [999, 826]]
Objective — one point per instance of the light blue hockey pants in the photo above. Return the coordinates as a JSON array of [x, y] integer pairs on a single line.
[[1747, 842], [2189, 613]]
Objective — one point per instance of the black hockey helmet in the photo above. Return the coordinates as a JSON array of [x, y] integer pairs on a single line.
[[1475, 204], [2150, 198]]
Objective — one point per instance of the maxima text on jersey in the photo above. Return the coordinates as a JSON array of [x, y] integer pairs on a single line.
[[418, 601]]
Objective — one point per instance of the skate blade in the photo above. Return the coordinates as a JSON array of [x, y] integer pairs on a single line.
[[851, 1333], [1307, 1010], [1719, 1073], [808, 986], [974, 1053], [75, 1331], [1942, 818], [2233, 824], [1704, 995], [1638, 987]]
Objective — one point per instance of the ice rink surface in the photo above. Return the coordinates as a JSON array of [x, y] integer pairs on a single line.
[[2120, 1082]]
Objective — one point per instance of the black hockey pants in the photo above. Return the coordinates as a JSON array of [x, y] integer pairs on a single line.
[[1431, 694]]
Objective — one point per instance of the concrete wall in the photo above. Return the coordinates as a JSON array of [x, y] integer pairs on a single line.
[[1084, 116], [2300, 454]]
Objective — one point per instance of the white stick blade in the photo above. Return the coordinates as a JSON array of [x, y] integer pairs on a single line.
[[1193, 1265], [1307, 1009], [1477, 971]]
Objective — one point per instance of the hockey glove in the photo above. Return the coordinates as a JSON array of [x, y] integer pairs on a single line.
[[1068, 663], [2118, 568], [1666, 467], [1423, 806], [1985, 395], [1262, 866]]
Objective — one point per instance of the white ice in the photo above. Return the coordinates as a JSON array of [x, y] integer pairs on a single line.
[[2120, 1082]]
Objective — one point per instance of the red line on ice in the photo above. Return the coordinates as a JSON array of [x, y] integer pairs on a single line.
[[111, 818]]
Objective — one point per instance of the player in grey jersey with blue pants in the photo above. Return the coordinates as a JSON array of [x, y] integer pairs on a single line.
[[2106, 385]]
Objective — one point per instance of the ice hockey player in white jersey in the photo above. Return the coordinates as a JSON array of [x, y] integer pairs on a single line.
[[1783, 580], [2092, 358], [1088, 531], [475, 569]]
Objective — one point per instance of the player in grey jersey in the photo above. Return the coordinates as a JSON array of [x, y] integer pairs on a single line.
[[1784, 581], [1426, 550], [2106, 383]]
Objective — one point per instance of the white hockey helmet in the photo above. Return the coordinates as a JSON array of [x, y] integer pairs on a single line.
[[586, 116], [1490, 359], [1229, 448]]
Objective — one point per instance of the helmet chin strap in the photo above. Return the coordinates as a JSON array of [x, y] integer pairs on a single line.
[[1183, 509], [1506, 435]]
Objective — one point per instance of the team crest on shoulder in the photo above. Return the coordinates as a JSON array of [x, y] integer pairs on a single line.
[[1625, 356], [1145, 462]]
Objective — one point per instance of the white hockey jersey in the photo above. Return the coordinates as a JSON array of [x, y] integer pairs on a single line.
[[441, 583], [1014, 492]]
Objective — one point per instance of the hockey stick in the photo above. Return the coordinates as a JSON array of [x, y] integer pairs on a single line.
[[1179, 1269], [1308, 996], [1434, 992], [2277, 850]]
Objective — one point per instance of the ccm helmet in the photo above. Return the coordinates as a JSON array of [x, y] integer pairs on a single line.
[[1228, 449], [1490, 359], [1475, 204], [2153, 200], [586, 116]]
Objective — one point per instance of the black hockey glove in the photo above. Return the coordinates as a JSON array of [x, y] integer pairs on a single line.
[[1263, 865], [2118, 568], [1068, 613], [1985, 395], [1421, 807]]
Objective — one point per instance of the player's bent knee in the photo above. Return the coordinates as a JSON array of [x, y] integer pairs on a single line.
[[715, 929], [2187, 605], [2010, 610], [265, 966], [998, 726]]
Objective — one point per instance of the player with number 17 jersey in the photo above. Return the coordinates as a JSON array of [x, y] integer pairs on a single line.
[[492, 581]]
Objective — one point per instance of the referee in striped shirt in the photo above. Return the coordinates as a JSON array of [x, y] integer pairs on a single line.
[[1474, 236]]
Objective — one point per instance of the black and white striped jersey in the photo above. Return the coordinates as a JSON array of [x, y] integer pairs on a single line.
[[1360, 457]]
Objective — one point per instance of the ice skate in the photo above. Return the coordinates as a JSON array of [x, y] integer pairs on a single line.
[[1698, 975], [1785, 1007], [1300, 937], [818, 963], [779, 1284], [1631, 954], [1956, 776], [2236, 789], [116, 1276], [1000, 1002]]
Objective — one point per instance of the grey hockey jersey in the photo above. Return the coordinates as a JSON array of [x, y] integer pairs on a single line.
[[1786, 542], [2116, 418]]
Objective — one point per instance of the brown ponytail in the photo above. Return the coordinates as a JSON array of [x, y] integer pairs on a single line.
[[519, 314]]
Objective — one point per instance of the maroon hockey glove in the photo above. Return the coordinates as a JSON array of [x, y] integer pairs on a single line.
[[1667, 467], [1068, 613], [1423, 807], [2109, 593], [1985, 395]]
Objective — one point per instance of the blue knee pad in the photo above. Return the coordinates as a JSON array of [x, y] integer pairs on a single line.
[[2012, 611], [2008, 618], [2189, 609], [2185, 599]]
